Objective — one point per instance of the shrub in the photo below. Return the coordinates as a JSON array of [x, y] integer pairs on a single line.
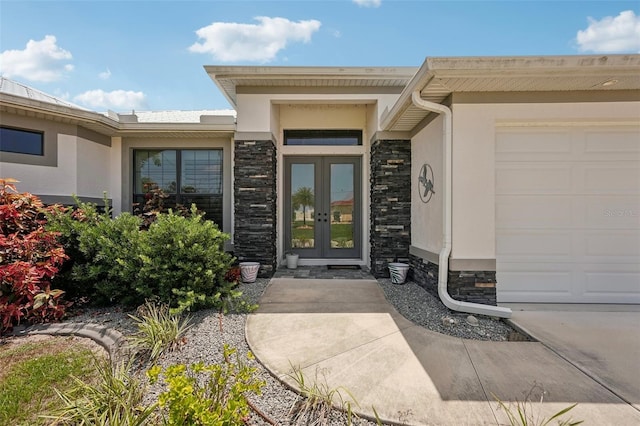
[[184, 262], [115, 399], [158, 330], [179, 260], [29, 259], [208, 394]]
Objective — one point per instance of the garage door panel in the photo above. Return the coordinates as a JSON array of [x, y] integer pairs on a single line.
[[612, 142], [538, 212], [622, 284], [608, 179], [556, 178], [538, 143], [512, 245], [611, 212], [618, 247]]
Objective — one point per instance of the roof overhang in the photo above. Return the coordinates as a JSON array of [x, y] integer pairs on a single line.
[[338, 79], [438, 78], [213, 127]]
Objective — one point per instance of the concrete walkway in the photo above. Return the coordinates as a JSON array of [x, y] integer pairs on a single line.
[[345, 333]]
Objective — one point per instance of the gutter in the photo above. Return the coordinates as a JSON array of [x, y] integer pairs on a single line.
[[443, 267]]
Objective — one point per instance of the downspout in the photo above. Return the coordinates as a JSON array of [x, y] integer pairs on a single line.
[[443, 267]]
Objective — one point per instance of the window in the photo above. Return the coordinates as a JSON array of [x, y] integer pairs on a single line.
[[186, 176], [323, 137], [21, 141]]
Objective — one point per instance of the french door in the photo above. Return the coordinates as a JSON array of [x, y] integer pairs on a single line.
[[322, 207]]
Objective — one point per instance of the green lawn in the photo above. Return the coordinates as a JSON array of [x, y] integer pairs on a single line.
[[339, 231], [31, 371]]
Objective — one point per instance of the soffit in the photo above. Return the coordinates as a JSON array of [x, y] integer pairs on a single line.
[[438, 78], [228, 79]]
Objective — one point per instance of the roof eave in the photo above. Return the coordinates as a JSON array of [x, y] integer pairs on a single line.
[[519, 66]]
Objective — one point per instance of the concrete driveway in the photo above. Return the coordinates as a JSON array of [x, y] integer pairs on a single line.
[[604, 344]]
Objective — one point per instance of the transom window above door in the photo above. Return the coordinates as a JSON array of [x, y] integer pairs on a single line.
[[323, 137], [187, 176]]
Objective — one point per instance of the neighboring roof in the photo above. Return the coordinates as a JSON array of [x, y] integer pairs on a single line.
[[229, 78], [11, 87], [17, 98], [438, 78], [180, 116]]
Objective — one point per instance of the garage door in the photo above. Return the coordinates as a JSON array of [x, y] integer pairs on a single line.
[[568, 214]]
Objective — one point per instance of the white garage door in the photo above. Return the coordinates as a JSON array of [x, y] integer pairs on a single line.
[[568, 214]]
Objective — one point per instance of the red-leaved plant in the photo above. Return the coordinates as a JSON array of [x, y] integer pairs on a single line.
[[29, 259]]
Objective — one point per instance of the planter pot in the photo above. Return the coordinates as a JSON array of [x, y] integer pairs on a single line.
[[292, 261], [249, 271], [398, 272]]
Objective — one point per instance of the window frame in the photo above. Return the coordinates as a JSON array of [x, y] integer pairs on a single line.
[[319, 134], [178, 196], [40, 133]]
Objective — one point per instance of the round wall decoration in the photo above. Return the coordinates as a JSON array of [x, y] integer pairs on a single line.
[[425, 183]]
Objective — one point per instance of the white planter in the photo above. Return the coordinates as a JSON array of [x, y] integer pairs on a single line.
[[292, 260], [398, 272], [249, 271]]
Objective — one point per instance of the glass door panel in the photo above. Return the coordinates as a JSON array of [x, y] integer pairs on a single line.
[[341, 204], [301, 196]]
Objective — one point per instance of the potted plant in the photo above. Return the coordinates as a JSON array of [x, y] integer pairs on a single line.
[[249, 271], [292, 260], [398, 272]]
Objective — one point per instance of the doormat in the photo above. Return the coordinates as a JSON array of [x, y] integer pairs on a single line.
[[349, 267]]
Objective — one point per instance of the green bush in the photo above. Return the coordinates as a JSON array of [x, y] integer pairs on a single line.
[[103, 252], [158, 330], [208, 394], [184, 262], [179, 260]]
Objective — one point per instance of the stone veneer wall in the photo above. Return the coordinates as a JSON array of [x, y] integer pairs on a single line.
[[390, 204], [473, 286], [254, 191], [466, 286]]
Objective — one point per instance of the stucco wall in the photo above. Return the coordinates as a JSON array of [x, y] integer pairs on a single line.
[[79, 165], [323, 116], [255, 110], [426, 218], [474, 135]]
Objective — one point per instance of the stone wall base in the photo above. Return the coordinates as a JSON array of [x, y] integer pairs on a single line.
[[465, 286]]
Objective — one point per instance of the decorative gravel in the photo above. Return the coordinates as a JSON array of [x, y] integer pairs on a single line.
[[204, 341]]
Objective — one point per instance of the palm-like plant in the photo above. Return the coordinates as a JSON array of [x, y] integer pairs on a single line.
[[303, 197]]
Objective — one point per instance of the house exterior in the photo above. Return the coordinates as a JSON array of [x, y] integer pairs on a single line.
[[499, 179]]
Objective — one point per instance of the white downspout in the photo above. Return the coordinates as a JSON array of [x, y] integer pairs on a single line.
[[443, 267]]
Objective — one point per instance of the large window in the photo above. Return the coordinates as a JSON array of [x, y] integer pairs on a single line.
[[21, 141], [187, 176], [323, 137]]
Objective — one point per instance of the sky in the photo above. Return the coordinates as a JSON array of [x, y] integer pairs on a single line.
[[149, 55]]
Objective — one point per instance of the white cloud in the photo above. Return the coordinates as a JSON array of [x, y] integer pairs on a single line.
[[104, 75], [229, 41], [611, 34], [41, 60], [368, 3], [118, 100]]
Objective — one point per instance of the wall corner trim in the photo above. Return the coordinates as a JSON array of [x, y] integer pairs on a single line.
[[472, 264], [390, 136], [254, 136], [424, 254]]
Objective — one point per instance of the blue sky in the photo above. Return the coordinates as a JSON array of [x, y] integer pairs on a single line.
[[149, 55]]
